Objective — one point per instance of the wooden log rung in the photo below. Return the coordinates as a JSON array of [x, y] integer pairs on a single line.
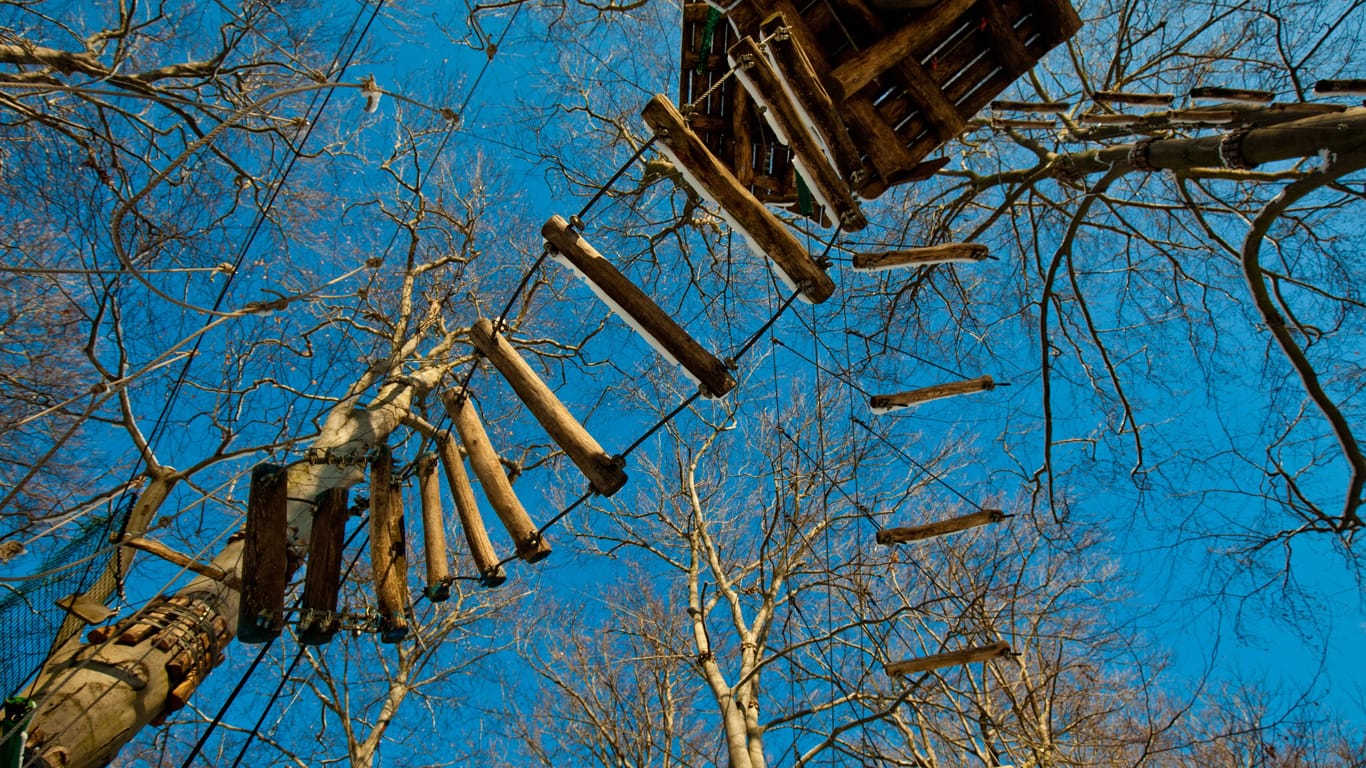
[[1108, 118], [785, 118], [712, 180], [265, 555], [531, 545], [486, 561], [950, 659], [1009, 122], [1348, 87], [438, 587], [940, 527], [319, 619], [918, 257], [1253, 96], [639, 311], [1201, 116], [884, 403], [1031, 107], [1134, 98], [388, 548], [604, 473]]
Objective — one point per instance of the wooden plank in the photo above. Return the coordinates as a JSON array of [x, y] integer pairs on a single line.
[[701, 168], [476, 535], [438, 588], [265, 558], [803, 86], [832, 192], [1346, 87], [939, 527], [388, 548], [950, 659], [640, 311], [1035, 107], [1236, 95], [885, 149], [884, 403], [1007, 46], [531, 546], [322, 578], [1134, 98], [918, 257], [603, 472], [918, 32]]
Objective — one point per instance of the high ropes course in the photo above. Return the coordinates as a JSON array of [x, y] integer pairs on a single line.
[[806, 112]]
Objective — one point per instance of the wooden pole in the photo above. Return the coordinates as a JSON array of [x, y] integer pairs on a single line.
[[950, 659], [438, 588], [531, 546], [388, 548], [476, 535], [603, 472], [710, 177], [758, 77], [884, 403], [940, 527], [637, 309], [265, 558], [917, 257], [322, 578]]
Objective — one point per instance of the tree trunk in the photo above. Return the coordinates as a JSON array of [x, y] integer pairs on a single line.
[[94, 696]]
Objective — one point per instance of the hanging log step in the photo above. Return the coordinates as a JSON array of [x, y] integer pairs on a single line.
[[1031, 107], [531, 546], [803, 86], [603, 472], [265, 555], [1137, 99], [950, 659], [1352, 87], [638, 310], [705, 174], [885, 403], [919, 257], [319, 620], [940, 527], [476, 535], [1239, 95], [1201, 116], [438, 588], [757, 76], [1108, 118], [388, 548], [1022, 122]]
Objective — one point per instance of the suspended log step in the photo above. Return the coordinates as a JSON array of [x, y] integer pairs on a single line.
[[1031, 107], [802, 85], [705, 174], [940, 527], [319, 619], [603, 472], [945, 253], [531, 546], [1236, 95], [1199, 116], [1134, 98], [638, 310], [884, 403], [388, 548], [950, 659], [1351, 87], [830, 190], [1021, 122], [1108, 118], [476, 535], [438, 588], [265, 555]]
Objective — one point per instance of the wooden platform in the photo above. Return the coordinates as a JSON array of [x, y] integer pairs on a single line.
[[904, 83]]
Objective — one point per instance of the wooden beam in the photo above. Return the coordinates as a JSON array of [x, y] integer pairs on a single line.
[[1353, 87], [476, 535], [710, 177], [388, 548], [1008, 48], [1236, 95], [322, 577], [265, 558], [438, 588], [899, 46], [939, 527], [1137, 99], [603, 472], [753, 70], [884, 403], [638, 310], [531, 546], [950, 659], [919, 257]]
